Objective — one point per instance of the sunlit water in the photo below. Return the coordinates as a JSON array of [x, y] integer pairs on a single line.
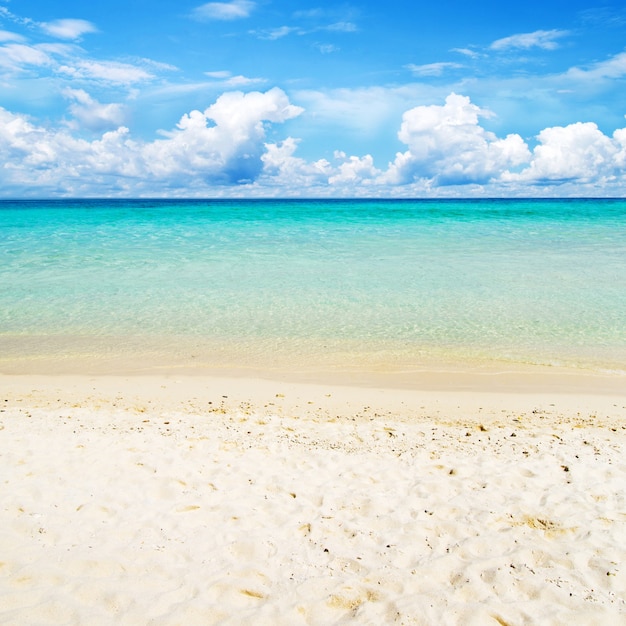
[[343, 283]]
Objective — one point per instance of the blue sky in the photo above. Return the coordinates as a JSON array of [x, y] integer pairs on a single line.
[[261, 98]]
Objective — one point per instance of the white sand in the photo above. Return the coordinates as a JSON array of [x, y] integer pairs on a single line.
[[158, 501]]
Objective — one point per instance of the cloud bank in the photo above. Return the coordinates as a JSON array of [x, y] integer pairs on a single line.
[[222, 145], [226, 150]]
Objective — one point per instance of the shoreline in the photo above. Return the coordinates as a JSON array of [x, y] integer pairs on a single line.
[[347, 364], [485, 376]]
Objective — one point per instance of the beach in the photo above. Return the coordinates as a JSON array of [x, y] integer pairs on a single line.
[[204, 499], [312, 314], [312, 412]]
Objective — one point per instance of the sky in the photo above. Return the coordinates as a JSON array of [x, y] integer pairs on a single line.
[[269, 98]]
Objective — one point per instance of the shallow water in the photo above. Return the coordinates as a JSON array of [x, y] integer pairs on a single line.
[[355, 284]]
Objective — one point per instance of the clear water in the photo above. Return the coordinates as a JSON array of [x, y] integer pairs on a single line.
[[353, 283]]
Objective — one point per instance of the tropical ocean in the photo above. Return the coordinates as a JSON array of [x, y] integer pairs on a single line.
[[311, 284]]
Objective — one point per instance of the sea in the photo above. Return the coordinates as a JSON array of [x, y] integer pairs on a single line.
[[311, 285]]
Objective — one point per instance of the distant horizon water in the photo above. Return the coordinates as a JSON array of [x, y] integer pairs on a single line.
[[335, 284]]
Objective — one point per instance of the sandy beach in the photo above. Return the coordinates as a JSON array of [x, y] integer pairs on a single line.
[[207, 500]]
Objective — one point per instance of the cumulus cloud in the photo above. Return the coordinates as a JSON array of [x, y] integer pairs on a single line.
[[90, 114], [225, 147], [355, 170], [284, 170], [222, 145], [234, 10], [543, 39], [578, 152], [23, 145], [448, 145], [68, 28], [225, 142]]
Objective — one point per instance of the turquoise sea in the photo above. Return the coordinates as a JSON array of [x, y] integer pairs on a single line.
[[326, 284]]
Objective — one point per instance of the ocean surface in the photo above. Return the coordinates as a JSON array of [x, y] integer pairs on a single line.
[[326, 284]]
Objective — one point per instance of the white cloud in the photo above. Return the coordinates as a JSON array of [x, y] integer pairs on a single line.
[[236, 108], [472, 54], [68, 28], [91, 114], [16, 56], [614, 67], [356, 170], [544, 39], [22, 145], [222, 145], [280, 156], [107, 71], [63, 28], [273, 34], [448, 145], [223, 150], [432, 69], [158, 65], [65, 61], [227, 80], [59, 49], [243, 81], [16, 19], [5, 35], [219, 74], [294, 176], [577, 152], [619, 140], [234, 10], [282, 169]]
